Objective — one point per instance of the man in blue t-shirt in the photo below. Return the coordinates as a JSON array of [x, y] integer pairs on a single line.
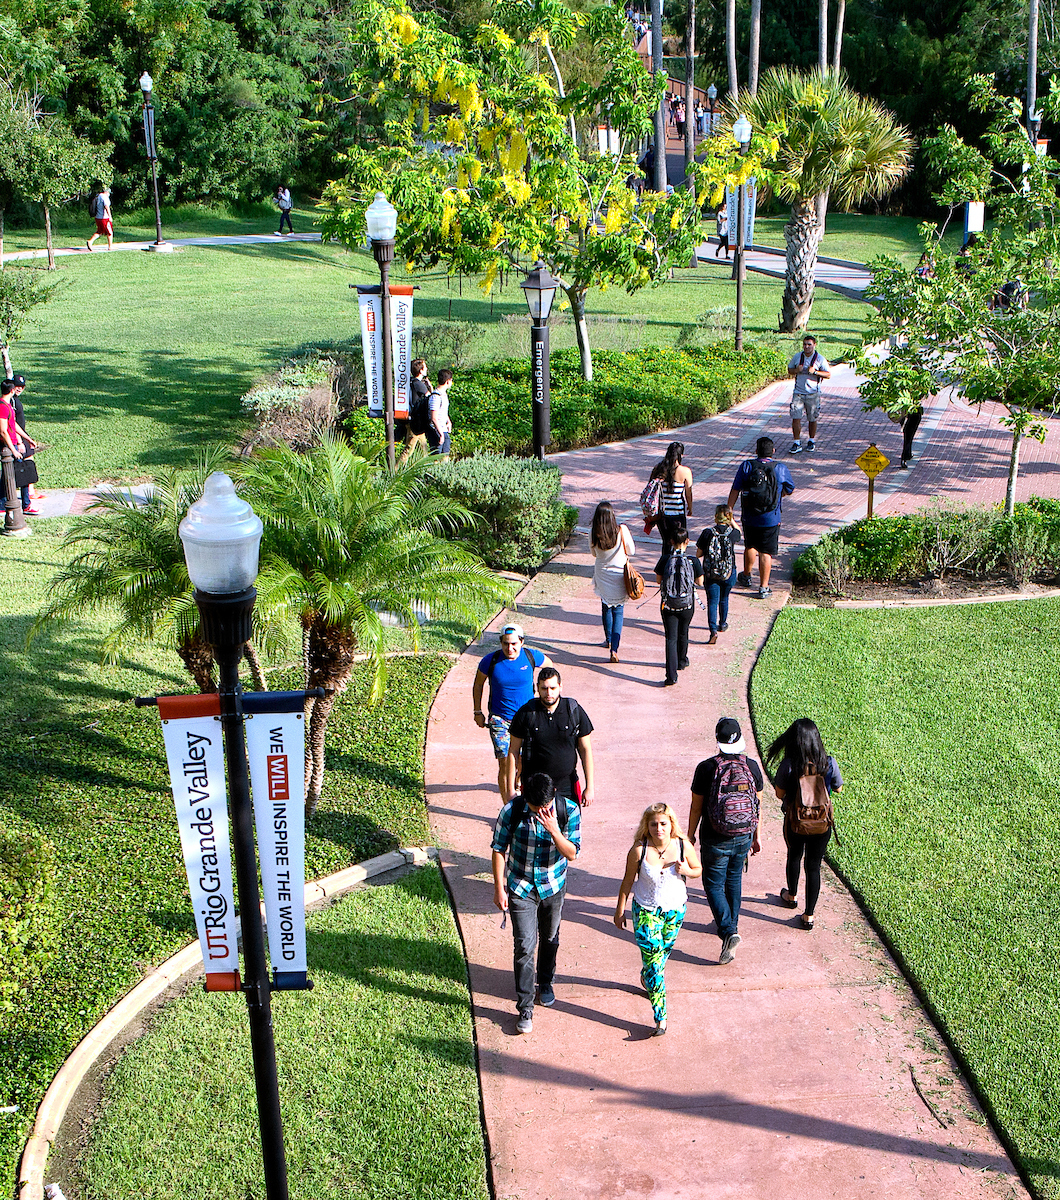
[[510, 672], [762, 484]]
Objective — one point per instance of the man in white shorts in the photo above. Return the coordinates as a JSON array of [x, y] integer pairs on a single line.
[[808, 370]]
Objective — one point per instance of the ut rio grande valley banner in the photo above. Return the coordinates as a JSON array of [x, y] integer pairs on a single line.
[[371, 306], [191, 729], [275, 729]]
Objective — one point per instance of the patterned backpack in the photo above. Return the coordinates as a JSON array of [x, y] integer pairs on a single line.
[[732, 805]]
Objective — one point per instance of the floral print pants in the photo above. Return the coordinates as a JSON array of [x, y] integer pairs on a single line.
[[655, 932]]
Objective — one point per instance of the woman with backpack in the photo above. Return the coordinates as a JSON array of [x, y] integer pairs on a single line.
[[804, 783], [717, 549], [675, 492], [612, 546], [677, 574], [657, 865]]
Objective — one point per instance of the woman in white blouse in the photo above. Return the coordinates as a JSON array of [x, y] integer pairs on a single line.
[[612, 546]]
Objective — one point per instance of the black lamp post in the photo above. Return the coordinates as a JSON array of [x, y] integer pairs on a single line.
[[540, 288], [146, 84], [221, 537], [741, 131], [382, 229], [15, 524], [712, 96]]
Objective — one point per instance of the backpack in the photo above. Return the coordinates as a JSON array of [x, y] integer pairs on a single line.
[[761, 493], [678, 582], [651, 499], [810, 810], [732, 806], [96, 207], [720, 557], [519, 811], [419, 412]]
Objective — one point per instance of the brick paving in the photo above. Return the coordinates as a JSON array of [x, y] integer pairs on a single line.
[[802, 1068]]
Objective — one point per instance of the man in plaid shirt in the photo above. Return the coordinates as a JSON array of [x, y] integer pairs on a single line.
[[537, 838]]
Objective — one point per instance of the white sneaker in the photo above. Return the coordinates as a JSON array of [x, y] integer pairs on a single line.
[[810, 445], [524, 1025], [796, 447]]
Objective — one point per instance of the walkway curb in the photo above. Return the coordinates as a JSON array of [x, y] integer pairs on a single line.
[[86, 1053], [935, 602]]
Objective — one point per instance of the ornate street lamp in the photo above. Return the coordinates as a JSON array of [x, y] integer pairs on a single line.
[[540, 289], [712, 96], [381, 217], [221, 536], [146, 84], [741, 131]]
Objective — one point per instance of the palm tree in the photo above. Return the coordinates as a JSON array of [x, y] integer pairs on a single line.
[[345, 541], [130, 559], [830, 139]]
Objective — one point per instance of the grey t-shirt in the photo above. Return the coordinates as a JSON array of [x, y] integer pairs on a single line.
[[805, 385]]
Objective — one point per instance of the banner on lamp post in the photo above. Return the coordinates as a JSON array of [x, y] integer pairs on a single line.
[[401, 346], [372, 346], [191, 730], [371, 306], [732, 202], [275, 732]]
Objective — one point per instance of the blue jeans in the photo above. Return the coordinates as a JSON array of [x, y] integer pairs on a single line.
[[718, 602], [723, 862], [611, 615], [535, 924]]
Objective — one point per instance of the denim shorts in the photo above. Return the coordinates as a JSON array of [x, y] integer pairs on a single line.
[[809, 403], [500, 736]]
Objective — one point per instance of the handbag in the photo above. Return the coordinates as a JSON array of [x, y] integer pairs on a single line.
[[634, 581], [25, 471]]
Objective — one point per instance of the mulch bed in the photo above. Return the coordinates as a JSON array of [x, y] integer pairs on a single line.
[[956, 587]]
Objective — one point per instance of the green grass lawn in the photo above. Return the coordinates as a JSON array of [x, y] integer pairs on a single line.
[[378, 1089], [945, 723], [142, 358], [860, 238]]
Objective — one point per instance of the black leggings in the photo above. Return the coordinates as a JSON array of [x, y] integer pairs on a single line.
[[285, 215], [814, 848]]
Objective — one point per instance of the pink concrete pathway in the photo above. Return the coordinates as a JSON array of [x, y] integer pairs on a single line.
[[806, 1068]]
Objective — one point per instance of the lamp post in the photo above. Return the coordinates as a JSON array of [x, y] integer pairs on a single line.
[[146, 84], [15, 524], [712, 96], [382, 230], [741, 131], [540, 289], [221, 537]]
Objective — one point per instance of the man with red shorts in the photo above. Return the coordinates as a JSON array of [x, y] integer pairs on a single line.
[[100, 210]]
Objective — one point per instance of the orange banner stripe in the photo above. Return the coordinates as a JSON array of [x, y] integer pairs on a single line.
[[223, 981], [173, 708]]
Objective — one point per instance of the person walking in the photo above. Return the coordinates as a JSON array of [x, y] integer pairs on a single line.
[[721, 223], [657, 865], [99, 211], [439, 426], [285, 204], [415, 428], [805, 782], [910, 424], [510, 672], [675, 499], [15, 399], [726, 798], [21, 447], [677, 573], [716, 548], [808, 370], [549, 734], [612, 546], [762, 483], [536, 835]]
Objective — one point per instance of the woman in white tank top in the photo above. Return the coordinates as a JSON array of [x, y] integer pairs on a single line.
[[657, 865], [612, 546]]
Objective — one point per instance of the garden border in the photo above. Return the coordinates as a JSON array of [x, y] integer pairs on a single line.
[[89, 1049]]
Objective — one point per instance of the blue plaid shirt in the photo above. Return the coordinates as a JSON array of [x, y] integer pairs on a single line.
[[535, 866]]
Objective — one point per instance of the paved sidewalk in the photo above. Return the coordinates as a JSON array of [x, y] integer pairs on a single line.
[[806, 1067], [240, 239]]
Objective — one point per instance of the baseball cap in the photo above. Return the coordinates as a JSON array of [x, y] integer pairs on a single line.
[[730, 739]]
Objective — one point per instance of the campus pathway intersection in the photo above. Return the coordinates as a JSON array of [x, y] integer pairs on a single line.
[[806, 1067]]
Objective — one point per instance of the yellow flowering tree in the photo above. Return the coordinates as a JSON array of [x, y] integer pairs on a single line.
[[493, 163]]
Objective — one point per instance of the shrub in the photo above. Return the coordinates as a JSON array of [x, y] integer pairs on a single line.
[[446, 343], [518, 501], [885, 549], [27, 934], [958, 537], [1028, 542]]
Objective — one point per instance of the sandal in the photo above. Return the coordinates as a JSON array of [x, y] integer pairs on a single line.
[[807, 920], [788, 899]]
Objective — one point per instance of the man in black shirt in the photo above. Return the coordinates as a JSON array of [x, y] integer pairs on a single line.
[[414, 429], [551, 733], [726, 792]]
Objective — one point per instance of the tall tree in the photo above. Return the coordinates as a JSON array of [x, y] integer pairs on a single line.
[[837, 47], [822, 36], [690, 92], [659, 77], [345, 541], [829, 139], [730, 51], [754, 53]]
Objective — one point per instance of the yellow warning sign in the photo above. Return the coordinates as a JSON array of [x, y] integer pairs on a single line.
[[872, 461]]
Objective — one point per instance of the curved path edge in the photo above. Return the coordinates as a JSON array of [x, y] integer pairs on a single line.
[[88, 1050]]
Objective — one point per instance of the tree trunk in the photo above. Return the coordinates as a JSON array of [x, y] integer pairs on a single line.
[[197, 658], [660, 115], [48, 237], [559, 88], [310, 704], [690, 91], [318, 725], [822, 35], [820, 206], [802, 236], [837, 46], [250, 653], [576, 296], [730, 50], [6, 352], [1013, 472], [755, 50], [1, 239], [330, 657]]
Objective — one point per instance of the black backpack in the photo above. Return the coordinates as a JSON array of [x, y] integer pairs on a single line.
[[678, 582], [761, 495], [719, 558], [419, 412], [95, 208]]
